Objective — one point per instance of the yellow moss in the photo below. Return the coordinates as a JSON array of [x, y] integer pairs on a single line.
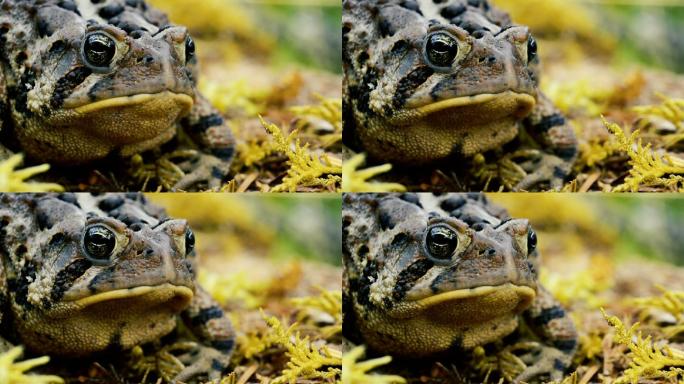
[[648, 167], [305, 360], [14, 372], [329, 110], [671, 302], [355, 180], [581, 286], [590, 345], [12, 180], [240, 287], [237, 95], [578, 96], [251, 344], [306, 169], [329, 302], [354, 371], [594, 152], [253, 151], [647, 360], [671, 110]]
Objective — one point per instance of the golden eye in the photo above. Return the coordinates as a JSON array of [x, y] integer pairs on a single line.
[[99, 243], [441, 49], [99, 49], [441, 241]]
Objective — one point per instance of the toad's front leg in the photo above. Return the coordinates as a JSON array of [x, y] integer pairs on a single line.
[[547, 126], [554, 327], [214, 139], [215, 337]]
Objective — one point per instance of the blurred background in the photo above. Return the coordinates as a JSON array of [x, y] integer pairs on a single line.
[[280, 33], [275, 228], [576, 228], [622, 32]]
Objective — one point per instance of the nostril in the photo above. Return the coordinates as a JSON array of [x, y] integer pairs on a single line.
[[148, 59], [136, 34], [135, 227], [491, 60], [490, 252], [149, 252], [478, 34], [478, 227]]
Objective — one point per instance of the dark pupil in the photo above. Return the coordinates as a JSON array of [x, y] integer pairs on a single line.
[[189, 49], [99, 50], [531, 241], [189, 241], [442, 50], [531, 49], [99, 242], [441, 242]]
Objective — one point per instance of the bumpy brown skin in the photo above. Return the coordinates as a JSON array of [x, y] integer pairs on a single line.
[[57, 299], [394, 96], [401, 299], [57, 106]]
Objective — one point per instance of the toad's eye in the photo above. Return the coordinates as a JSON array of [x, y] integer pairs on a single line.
[[99, 49], [99, 243], [531, 241], [531, 49], [441, 49], [441, 241], [189, 49], [189, 241]]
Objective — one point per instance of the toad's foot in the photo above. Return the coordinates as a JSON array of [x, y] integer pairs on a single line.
[[200, 360], [543, 360], [542, 168], [203, 169]]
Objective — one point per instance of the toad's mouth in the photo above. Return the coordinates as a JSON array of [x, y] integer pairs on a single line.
[[160, 99], [469, 305], [128, 125], [173, 297], [462, 126], [127, 119], [113, 320], [479, 108]]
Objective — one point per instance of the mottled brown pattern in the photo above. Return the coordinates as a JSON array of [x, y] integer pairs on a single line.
[[411, 101], [133, 293], [93, 80], [406, 298]]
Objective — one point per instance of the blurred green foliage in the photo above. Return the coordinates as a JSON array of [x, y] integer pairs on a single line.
[[283, 227], [306, 34], [622, 226], [650, 226], [648, 33], [308, 225]]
